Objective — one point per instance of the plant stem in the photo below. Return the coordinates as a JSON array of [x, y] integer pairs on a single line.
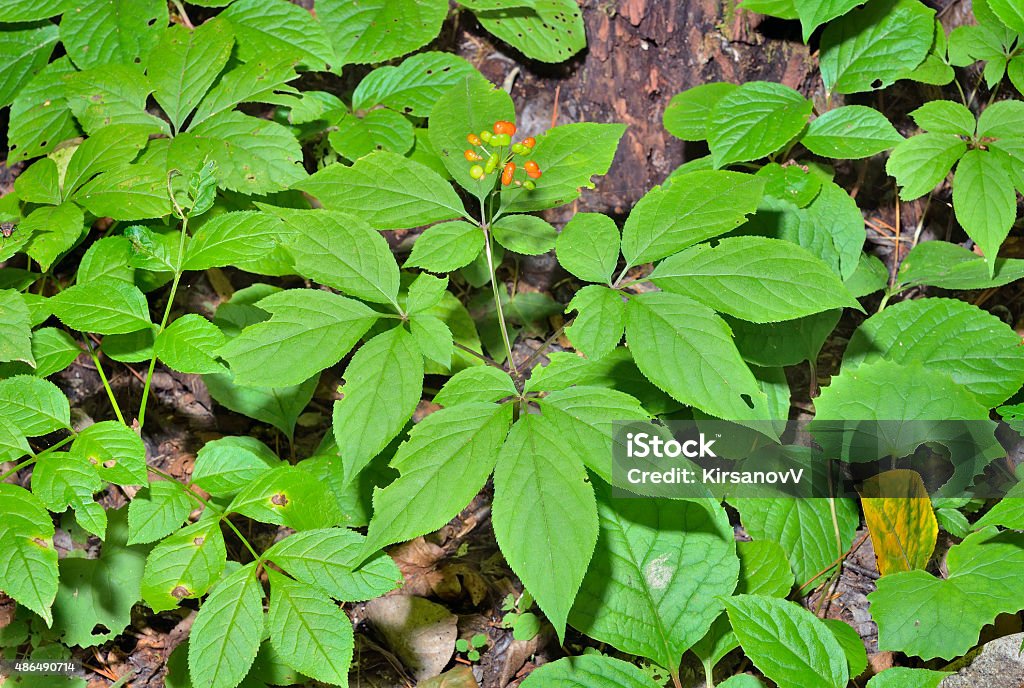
[[167, 308], [497, 302], [103, 377]]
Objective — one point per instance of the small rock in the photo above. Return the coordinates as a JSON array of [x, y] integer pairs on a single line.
[[1000, 665]]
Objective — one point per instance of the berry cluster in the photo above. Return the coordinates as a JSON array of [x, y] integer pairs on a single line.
[[501, 154]]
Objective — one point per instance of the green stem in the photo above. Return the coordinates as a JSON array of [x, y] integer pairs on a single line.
[[103, 377], [167, 308]]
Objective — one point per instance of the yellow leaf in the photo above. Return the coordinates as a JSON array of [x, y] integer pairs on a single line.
[[900, 519]]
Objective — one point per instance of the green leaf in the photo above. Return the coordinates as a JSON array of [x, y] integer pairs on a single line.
[[332, 560], [189, 345], [25, 52], [386, 190], [803, 527], [930, 617], [253, 155], [131, 192], [309, 330], [446, 247], [853, 646], [107, 148], [901, 677], [227, 631], [96, 596], [190, 61], [185, 565], [445, 462], [755, 120], [119, 31], [544, 30], [1009, 13], [948, 266], [480, 383], [241, 239], [378, 30], [657, 577], [112, 95], [377, 130], [783, 9], [753, 278], [687, 350], [69, 480], [425, 292], [383, 384], [311, 633], [985, 201], [279, 28], [588, 247], [786, 642], [39, 116], [31, 10], [288, 496], [115, 450], [695, 207], [53, 350], [525, 234], [570, 157], [687, 114], [33, 405], [871, 47], [224, 466], [104, 306], [851, 132], [54, 230], [15, 328], [157, 511], [39, 183], [601, 317], [786, 343], [975, 348], [945, 117], [814, 13], [922, 162], [255, 81], [588, 671], [551, 550], [28, 569], [341, 251], [413, 86], [793, 183], [472, 105], [278, 406]]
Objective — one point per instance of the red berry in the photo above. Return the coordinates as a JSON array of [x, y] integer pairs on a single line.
[[532, 169], [503, 127], [507, 173], [474, 140], [530, 142]]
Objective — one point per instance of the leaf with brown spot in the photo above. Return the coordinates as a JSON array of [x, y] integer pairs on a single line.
[[900, 519]]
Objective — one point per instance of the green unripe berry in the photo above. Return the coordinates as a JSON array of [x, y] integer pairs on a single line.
[[486, 136], [520, 149], [492, 163], [529, 185], [476, 172]]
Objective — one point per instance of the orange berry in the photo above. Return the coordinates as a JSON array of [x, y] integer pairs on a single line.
[[531, 166], [507, 173], [472, 156], [503, 127], [530, 142], [474, 140]]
